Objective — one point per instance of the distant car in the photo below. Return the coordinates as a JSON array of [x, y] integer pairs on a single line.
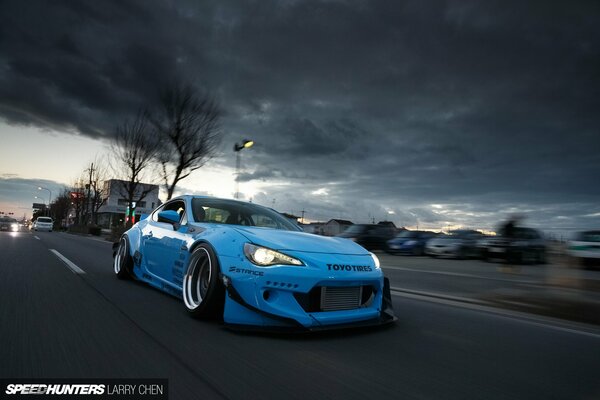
[[526, 247], [253, 267], [585, 247], [43, 224], [459, 244], [410, 242], [369, 236], [9, 224]]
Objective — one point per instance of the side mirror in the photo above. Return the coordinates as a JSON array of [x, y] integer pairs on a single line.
[[169, 216]]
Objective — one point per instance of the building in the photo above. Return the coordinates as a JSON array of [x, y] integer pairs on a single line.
[[112, 212], [335, 227]]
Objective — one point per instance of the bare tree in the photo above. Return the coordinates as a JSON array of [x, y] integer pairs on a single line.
[[61, 206], [134, 149], [189, 123], [78, 199], [97, 193]]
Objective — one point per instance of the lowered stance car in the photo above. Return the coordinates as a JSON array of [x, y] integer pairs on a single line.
[[253, 267], [410, 242], [460, 244], [585, 248]]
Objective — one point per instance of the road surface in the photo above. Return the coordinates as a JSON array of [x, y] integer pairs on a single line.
[[64, 315]]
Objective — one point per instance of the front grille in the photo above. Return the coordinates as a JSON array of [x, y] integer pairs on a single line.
[[340, 298], [336, 298]]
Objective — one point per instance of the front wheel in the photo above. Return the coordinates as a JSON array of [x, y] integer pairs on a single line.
[[122, 264], [203, 292]]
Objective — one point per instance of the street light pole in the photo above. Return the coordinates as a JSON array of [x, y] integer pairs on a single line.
[[43, 202], [49, 197], [237, 148]]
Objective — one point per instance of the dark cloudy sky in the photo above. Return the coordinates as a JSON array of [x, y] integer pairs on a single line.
[[445, 113]]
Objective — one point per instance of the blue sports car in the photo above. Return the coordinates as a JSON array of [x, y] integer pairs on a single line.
[[253, 267]]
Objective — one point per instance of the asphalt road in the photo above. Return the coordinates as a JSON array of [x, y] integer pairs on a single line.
[[55, 323]]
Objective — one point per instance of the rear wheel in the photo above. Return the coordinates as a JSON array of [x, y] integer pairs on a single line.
[[203, 292], [122, 263], [541, 257]]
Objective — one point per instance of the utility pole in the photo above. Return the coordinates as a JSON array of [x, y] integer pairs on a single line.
[[302, 220], [88, 199]]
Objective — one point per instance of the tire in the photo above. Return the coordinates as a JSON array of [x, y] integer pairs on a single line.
[[541, 257], [419, 251], [203, 292], [486, 257], [122, 263]]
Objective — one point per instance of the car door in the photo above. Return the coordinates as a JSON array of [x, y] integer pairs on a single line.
[[163, 243]]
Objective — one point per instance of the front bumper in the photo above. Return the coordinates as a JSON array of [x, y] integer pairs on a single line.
[[293, 298], [249, 318]]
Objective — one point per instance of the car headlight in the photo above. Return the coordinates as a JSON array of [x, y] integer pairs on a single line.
[[15, 227], [375, 260], [264, 257]]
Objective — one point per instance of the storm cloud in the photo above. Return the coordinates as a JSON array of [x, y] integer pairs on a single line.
[[481, 108]]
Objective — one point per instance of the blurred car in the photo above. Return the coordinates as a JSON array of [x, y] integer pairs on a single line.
[[9, 224], [43, 224], [369, 236], [461, 243], [585, 247], [527, 246], [410, 242]]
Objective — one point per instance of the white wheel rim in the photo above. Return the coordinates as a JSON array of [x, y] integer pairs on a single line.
[[119, 257], [196, 281]]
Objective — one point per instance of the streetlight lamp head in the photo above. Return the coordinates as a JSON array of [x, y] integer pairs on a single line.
[[245, 144]]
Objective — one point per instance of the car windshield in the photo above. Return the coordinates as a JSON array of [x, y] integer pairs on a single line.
[[220, 211], [463, 234], [44, 219], [355, 229], [407, 234]]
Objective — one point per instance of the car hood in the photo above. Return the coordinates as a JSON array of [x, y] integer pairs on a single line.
[[300, 241]]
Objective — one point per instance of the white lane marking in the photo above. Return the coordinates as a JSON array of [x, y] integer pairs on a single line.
[[424, 271], [546, 322], [74, 268], [37, 237]]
